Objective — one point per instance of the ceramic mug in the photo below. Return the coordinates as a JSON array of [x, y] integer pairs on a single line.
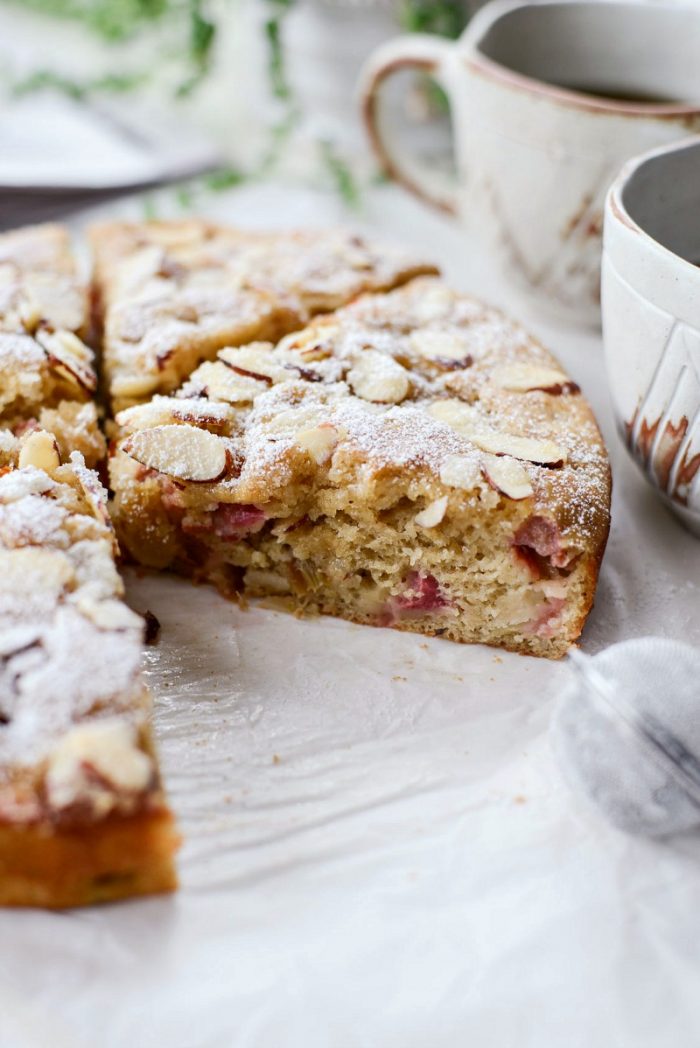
[[651, 319], [536, 147]]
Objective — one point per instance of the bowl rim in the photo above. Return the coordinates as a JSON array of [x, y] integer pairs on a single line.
[[616, 208]]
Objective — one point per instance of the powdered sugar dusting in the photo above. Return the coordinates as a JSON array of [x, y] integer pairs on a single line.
[[61, 659], [443, 347]]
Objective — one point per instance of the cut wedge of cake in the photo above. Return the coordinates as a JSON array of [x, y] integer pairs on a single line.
[[83, 817], [413, 460], [171, 294], [47, 376]]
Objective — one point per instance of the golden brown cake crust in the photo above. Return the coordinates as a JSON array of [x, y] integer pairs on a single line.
[[62, 866], [79, 781], [47, 374], [414, 460], [170, 294]]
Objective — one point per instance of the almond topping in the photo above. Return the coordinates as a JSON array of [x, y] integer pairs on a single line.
[[522, 378], [109, 614], [543, 452], [460, 471], [69, 357], [467, 421], [41, 451], [179, 451], [435, 303], [439, 345], [508, 476], [133, 387], [319, 442], [254, 361], [223, 383], [108, 747], [461, 417], [432, 514], [378, 378]]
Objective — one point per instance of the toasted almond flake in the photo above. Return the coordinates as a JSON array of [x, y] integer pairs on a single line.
[[508, 477], [30, 313], [459, 416], [254, 361], [133, 387], [439, 345], [378, 378], [465, 420], [69, 358], [544, 452], [94, 492], [222, 383], [522, 378], [433, 513], [434, 304], [319, 441], [108, 746], [179, 451], [109, 614], [41, 451], [460, 471]]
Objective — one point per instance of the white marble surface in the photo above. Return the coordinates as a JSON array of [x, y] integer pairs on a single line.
[[379, 850]]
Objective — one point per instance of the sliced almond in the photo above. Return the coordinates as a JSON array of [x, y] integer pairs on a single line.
[[544, 452], [222, 383], [433, 513], [109, 614], [254, 361], [378, 378], [94, 492], [110, 748], [314, 343], [69, 357], [141, 266], [41, 451], [30, 313], [460, 471], [455, 413], [162, 410], [467, 421], [133, 387], [523, 378], [179, 451], [435, 302], [319, 441], [508, 476], [440, 346]]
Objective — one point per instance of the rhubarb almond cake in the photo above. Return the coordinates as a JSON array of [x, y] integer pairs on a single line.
[[413, 460], [83, 817], [47, 375], [171, 294]]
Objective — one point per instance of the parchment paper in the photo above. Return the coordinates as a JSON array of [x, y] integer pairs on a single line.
[[379, 850]]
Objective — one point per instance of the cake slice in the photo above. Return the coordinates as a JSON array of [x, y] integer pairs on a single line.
[[171, 294], [83, 817], [414, 460], [47, 376]]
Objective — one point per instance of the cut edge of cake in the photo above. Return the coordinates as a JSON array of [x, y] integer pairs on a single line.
[[83, 815], [414, 459], [170, 294]]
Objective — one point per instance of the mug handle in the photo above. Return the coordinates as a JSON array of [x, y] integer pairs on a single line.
[[412, 51]]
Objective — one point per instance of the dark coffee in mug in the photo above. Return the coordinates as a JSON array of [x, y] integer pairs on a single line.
[[615, 94]]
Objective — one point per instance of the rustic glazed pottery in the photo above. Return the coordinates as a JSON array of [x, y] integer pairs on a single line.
[[651, 319], [548, 99]]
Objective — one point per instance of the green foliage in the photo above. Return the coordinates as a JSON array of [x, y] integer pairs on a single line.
[[341, 174], [46, 79], [443, 17], [110, 19]]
